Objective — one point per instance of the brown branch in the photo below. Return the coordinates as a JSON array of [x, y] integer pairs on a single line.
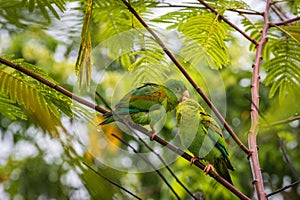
[[246, 12], [228, 22], [286, 22], [284, 188], [187, 76], [139, 128], [277, 12], [254, 161], [53, 85]]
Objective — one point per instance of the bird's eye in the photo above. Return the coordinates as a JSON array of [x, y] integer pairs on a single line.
[[178, 89]]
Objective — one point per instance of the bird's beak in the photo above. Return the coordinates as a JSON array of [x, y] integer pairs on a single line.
[[185, 96]]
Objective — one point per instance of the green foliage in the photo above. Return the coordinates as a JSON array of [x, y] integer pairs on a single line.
[[294, 32], [39, 102], [254, 29], [283, 70], [9, 108], [35, 173], [20, 13], [294, 5], [83, 64], [206, 34], [148, 63], [202, 31]]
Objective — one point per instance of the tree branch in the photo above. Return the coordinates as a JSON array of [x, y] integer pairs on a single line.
[[136, 127], [228, 22], [286, 22], [53, 85], [254, 160], [284, 188], [287, 160], [187, 76], [246, 12]]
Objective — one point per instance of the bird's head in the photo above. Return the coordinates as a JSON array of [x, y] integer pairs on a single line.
[[178, 88]]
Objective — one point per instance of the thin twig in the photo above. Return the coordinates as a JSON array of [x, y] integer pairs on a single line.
[[287, 160], [228, 22], [149, 163], [253, 156], [284, 121], [139, 128], [188, 77], [284, 188], [103, 100], [240, 11], [286, 22], [110, 181], [246, 12], [168, 5], [277, 12]]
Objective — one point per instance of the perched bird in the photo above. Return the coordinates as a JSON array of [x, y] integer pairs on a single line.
[[148, 103], [202, 136]]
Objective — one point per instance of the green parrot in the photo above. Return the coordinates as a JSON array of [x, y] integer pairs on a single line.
[[147, 104], [202, 136]]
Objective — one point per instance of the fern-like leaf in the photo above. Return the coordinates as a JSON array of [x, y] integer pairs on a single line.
[[83, 64], [205, 39], [283, 71], [293, 31], [27, 96], [10, 109], [43, 5], [295, 6], [33, 102], [147, 64]]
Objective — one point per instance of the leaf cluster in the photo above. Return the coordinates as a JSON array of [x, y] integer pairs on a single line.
[[35, 100], [23, 13]]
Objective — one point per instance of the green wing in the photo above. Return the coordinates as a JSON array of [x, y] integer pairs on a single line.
[[142, 99]]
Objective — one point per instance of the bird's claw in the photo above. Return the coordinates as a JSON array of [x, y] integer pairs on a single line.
[[153, 135], [209, 168], [152, 132], [193, 160]]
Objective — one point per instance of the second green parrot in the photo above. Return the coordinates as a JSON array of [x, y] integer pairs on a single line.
[[202, 136], [148, 104]]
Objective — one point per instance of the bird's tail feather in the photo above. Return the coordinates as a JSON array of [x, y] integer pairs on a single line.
[[221, 167], [108, 118]]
